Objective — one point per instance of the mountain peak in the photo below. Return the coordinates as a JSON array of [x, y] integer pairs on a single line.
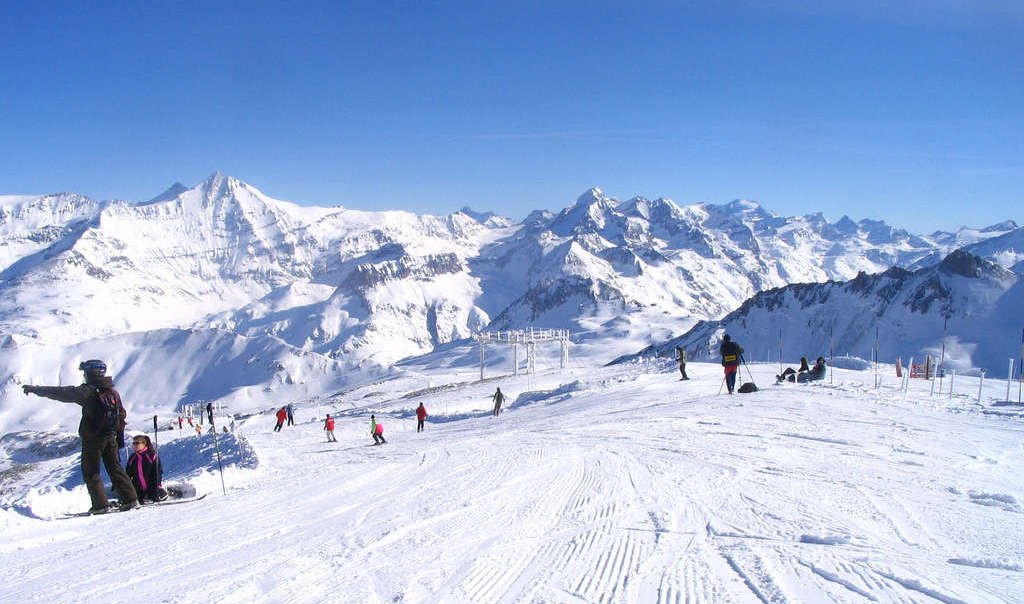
[[743, 205], [747, 209], [216, 181], [1006, 225], [480, 217], [846, 225], [592, 195], [170, 193], [963, 263]]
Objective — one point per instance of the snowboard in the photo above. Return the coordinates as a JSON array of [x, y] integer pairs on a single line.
[[155, 504]]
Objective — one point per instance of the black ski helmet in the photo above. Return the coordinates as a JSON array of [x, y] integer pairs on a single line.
[[93, 367]]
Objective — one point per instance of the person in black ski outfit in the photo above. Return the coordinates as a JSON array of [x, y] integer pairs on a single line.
[[498, 399], [790, 374], [291, 414], [145, 470], [731, 353], [100, 443], [681, 359], [816, 373]]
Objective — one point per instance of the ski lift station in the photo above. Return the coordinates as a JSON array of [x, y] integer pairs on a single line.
[[527, 339]]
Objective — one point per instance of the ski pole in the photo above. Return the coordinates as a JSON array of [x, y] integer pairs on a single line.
[[156, 435], [744, 361], [216, 446]]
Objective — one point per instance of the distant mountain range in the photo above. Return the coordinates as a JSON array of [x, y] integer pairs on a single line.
[[220, 292], [965, 312]]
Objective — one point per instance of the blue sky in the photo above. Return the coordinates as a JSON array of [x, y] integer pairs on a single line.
[[911, 112]]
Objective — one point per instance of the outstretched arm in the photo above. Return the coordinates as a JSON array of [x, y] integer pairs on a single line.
[[64, 394]]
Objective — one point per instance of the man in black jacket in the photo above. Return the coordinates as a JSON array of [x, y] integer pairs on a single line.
[[101, 437], [681, 359], [732, 353]]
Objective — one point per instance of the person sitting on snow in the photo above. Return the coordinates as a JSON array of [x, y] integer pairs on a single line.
[[145, 470], [790, 374], [816, 373]]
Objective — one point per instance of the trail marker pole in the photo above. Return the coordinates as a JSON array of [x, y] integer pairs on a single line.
[[941, 369], [831, 366], [981, 383], [952, 380], [780, 350], [1020, 368], [1009, 380], [874, 354], [906, 377], [481, 361]]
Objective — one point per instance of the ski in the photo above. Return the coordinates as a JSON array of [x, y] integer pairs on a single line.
[[155, 504], [173, 501]]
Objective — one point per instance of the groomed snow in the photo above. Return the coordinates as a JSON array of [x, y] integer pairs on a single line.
[[617, 484]]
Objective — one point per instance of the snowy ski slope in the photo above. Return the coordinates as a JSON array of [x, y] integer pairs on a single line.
[[596, 484]]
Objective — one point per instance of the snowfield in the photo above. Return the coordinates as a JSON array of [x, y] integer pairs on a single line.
[[595, 484]]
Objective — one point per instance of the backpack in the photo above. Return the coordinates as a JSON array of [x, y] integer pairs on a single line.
[[747, 387], [103, 412]]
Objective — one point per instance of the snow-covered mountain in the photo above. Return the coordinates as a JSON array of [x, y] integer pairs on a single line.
[[330, 295], [973, 302]]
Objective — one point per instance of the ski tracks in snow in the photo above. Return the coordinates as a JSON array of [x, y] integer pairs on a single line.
[[669, 496]]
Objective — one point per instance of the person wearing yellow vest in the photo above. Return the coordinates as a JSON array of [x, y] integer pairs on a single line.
[[732, 354]]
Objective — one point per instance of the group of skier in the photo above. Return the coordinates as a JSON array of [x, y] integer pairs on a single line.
[[101, 431], [376, 428], [804, 373], [285, 413], [103, 422], [732, 355]]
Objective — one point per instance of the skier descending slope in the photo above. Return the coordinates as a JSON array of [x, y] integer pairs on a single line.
[[329, 427], [377, 431], [421, 416], [498, 399]]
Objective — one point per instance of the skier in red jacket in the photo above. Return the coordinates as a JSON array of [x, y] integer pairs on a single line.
[[421, 416], [282, 415], [329, 427]]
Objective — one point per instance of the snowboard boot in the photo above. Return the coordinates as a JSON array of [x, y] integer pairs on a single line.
[[130, 505]]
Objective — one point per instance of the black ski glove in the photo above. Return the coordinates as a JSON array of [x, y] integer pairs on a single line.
[[28, 389]]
